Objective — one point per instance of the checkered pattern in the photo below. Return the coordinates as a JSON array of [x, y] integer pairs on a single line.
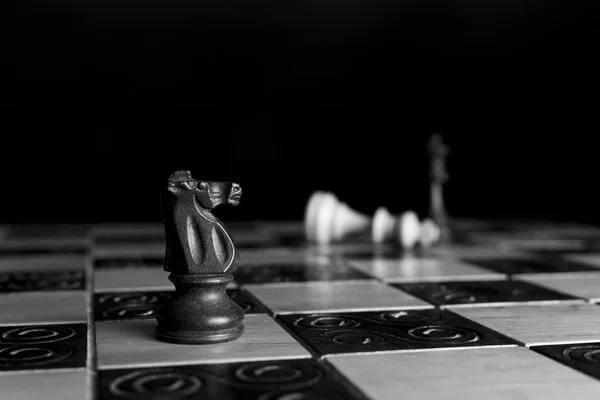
[[79, 306]]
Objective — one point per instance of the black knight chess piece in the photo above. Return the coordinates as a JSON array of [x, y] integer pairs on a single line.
[[201, 257]]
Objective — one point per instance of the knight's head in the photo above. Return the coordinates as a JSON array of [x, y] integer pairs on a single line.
[[209, 194]]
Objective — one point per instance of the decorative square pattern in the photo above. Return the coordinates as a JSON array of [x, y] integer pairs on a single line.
[[316, 269], [129, 305], [482, 292], [43, 347], [584, 357], [245, 300], [284, 379], [311, 312], [529, 265], [584, 285], [345, 333], [144, 305]]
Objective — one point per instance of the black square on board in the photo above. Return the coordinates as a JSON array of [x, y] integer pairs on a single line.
[[29, 231], [584, 357], [587, 246], [317, 270], [8, 251], [144, 305], [158, 240], [129, 305], [265, 380], [43, 347], [129, 262], [474, 292], [294, 240], [379, 253], [358, 332], [245, 300], [512, 266], [252, 245], [31, 281]]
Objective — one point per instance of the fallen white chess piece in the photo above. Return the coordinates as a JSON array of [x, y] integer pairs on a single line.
[[329, 220]]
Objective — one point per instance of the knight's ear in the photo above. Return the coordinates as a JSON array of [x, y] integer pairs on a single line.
[[175, 190], [187, 185]]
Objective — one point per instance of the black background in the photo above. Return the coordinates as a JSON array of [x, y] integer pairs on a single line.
[[286, 98]]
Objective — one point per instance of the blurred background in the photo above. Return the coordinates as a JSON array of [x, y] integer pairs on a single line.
[[108, 98]]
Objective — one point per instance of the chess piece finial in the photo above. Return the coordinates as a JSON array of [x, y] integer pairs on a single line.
[[438, 151], [201, 257]]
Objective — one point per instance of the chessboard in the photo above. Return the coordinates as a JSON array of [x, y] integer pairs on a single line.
[[507, 311]]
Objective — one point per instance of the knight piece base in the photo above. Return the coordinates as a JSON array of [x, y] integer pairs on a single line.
[[200, 311], [199, 337]]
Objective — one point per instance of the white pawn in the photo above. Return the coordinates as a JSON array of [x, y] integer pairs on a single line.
[[405, 229], [329, 220], [430, 233], [383, 226], [409, 229]]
